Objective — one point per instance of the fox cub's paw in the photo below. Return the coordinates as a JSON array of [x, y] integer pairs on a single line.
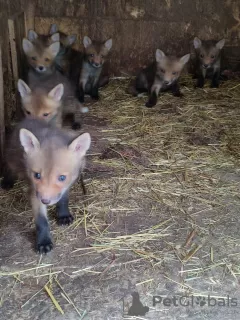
[[44, 246], [7, 183], [65, 220]]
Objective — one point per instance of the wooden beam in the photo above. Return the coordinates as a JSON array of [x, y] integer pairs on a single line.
[[16, 28], [12, 40], [29, 16], [2, 114]]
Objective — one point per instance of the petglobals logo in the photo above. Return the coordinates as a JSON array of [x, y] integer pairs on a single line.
[[191, 301]]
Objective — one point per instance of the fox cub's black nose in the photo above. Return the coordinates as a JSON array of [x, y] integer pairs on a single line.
[[46, 201]]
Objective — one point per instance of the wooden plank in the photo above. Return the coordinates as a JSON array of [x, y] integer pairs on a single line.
[[29, 16], [4, 37], [2, 113], [138, 27], [16, 27], [132, 47], [14, 56], [6, 63]]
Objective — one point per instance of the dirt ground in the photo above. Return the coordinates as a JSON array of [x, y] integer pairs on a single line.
[[160, 218]]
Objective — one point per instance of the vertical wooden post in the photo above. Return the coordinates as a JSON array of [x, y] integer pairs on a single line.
[[14, 56], [2, 114], [16, 28], [29, 15]]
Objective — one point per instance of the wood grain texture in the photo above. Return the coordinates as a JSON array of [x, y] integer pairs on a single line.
[[8, 9], [2, 112], [16, 27], [139, 27]]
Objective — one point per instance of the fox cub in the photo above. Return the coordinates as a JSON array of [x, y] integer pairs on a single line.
[[41, 52], [208, 61], [51, 97], [90, 79], [64, 57], [50, 160], [161, 75], [42, 39], [65, 40], [39, 103]]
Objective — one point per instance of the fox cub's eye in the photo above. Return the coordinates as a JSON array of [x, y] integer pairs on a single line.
[[28, 112], [45, 114], [34, 58], [212, 57], [163, 71], [174, 73], [46, 59], [62, 178], [91, 55], [201, 55], [37, 175]]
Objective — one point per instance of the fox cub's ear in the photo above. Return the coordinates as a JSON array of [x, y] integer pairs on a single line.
[[27, 46], [185, 58], [55, 37], [32, 35], [87, 42], [57, 92], [54, 48], [53, 29], [71, 39], [159, 55], [108, 44], [197, 43], [23, 88], [80, 145], [220, 44], [28, 141]]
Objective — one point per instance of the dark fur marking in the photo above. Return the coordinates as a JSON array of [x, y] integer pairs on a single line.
[[200, 82], [76, 126], [83, 184], [215, 80], [44, 242], [80, 94], [176, 90], [63, 213], [8, 180], [94, 93], [152, 100]]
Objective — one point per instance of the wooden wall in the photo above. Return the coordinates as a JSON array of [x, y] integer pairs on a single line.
[[8, 10], [138, 27]]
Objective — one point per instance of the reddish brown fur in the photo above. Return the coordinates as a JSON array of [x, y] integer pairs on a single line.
[[39, 105], [70, 103], [96, 53], [161, 75], [52, 159], [40, 54], [208, 61], [91, 67]]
